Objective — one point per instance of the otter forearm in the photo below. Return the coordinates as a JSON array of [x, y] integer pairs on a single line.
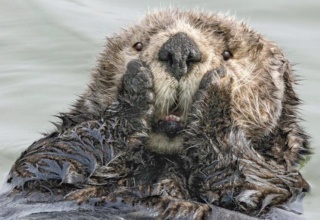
[[96, 147]]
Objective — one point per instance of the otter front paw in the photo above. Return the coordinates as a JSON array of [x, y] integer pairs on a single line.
[[212, 93], [210, 112], [134, 107], [138, 84]]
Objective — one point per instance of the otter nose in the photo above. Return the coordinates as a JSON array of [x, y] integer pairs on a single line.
[[180, 53]]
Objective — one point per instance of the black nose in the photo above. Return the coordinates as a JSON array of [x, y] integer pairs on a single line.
[[179, 53]]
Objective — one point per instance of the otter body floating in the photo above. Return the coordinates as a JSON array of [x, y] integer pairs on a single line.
[[188, 115]]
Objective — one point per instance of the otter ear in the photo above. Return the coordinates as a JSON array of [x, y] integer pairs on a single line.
[[295, 140]]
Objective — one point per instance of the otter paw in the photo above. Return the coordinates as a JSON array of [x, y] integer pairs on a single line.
[[210, 78], [211, 106], [137, 83], [208, 82]]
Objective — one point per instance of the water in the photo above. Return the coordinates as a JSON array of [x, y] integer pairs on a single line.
[[48, 48]]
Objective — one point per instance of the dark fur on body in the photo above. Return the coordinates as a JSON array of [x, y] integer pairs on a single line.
[[100, 150]]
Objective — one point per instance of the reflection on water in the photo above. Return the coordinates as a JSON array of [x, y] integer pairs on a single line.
[[47, 49]]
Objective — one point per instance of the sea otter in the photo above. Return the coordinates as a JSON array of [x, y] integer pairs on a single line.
[[186, 111]]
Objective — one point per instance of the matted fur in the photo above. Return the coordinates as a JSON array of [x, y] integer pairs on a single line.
[[240, 145], [261, 77]]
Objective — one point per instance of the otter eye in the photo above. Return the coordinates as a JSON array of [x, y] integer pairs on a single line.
[[138, 46], [227, 55]]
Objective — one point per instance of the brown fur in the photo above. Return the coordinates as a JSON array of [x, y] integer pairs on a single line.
[[240, 146], [262, 80]]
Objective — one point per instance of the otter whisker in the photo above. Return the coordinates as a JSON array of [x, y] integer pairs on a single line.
[[245, 75]]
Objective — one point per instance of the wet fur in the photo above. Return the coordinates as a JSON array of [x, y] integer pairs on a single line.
[[263, 100], [240, 147]]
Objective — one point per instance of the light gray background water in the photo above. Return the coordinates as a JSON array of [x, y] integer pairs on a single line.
[[48, 48]]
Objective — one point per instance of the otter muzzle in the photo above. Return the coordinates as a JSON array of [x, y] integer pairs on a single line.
[[179, 53]]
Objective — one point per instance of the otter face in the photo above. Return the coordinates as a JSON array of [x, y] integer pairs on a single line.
[[178, 57], [179, 48]]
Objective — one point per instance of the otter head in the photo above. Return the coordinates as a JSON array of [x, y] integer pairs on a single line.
[[178, 53], [180, 47]]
